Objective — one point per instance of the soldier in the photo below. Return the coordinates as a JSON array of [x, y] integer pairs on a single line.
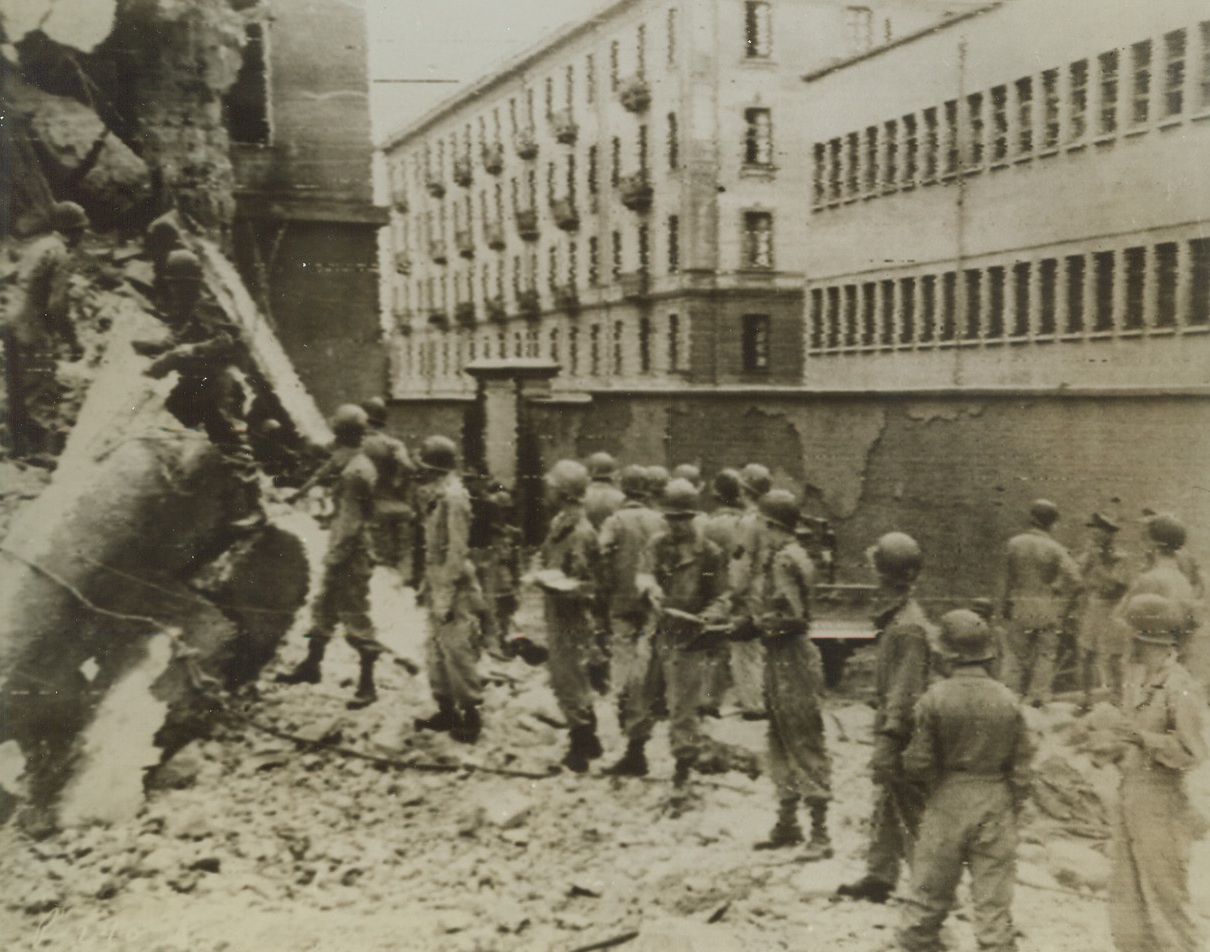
[[691, 473], [349, 425], [683, 577], [657, 480], [747, 658], [901, 675], [1167, 530], [37, 316], [793, 674], [622, 540], [451, 592], [1161, 738], [602, 498], [1103, 571], [1040, 582], [495, 551], [344, 593], [394, 505], [721, 527], [971, 752], [570, 553]]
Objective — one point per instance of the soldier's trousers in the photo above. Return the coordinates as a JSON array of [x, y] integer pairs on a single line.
[[452, 653], [344, 601], [748, 676], [1031, 669], [33, 395], [570, 640], [968, 821], [893, 830], [675, 675], [1149, 891], [630, 652]]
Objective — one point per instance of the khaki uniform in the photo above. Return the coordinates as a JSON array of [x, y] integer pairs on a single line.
[[1104, 577], [901, 676], [1155, 824], [571, 547], [747, 657], [452, 594], [1040, 582], [601, 500], [793, 675], [37, 315], [722, 528], [1167, 577], [971, 750], [394, 506]]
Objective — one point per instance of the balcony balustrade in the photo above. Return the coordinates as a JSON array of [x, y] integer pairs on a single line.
[[463, 175], [635, 94], [636, 285], [493, 158], [636, 192], [493, 234], [565, 214], [527, 224], [464, 241], [566, 129], [464, 313], [529, 303], [526, 144]]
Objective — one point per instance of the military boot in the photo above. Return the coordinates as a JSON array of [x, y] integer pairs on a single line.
[[468, 731], [444, 721], [633, 763], [307, 671], [820, 844], [367, 693], [869, 888], [680, 773], [592, 743], [583, 747], [786, 831]]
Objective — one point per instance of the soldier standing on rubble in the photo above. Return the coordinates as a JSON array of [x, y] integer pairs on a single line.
[[901, 675], [746, 656], [1162, 737], [40, 313], [622, 541], [1041, 580], [971, 753], [495, 550], [394, 507], [602, 498], [1103, 569], [720, 526], [452, 594], [569, 554], [793, 674], [344, 593]]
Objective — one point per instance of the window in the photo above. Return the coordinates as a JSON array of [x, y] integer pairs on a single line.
[[552, 266], [929, 165], [1050, 109], [995, 303], [852, 185], [554, 345], [1199, 282], [758, 240], [869, 314], [952, 145], [835, 182], [758, 137], [615, 166], [594, 350], [618, 341], [569, 86], [644, 248], [616, 255], [246, 103], [859, 29], [674, 342], [1108, 65], [975, 129], [1048, 286], [755, 343], [573, 350], [640, 49], [1165, 284], [871, 158], [1021, 278], [1174, 73], [1104, 288], [642, 148], [674, 244], [550, 95], [1136, 288], [815, 331], [594, 260], [819, 190], [1075, 294], [644, 345], [850, 316], [757, 29], [886, 334], [907, 310], [592, 170], [1140, 85], [614, 66], [674, 143], [1025, 115], [1077, 82], [833, 319], [910, 147], [672, 18], [999, 123], [890, 154], [928, 307], [590, 79], [974, 304], [949, 305]]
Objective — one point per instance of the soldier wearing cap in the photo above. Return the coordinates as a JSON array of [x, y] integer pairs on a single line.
[[683, 578], [451, 591], [1041, 581], [901, 675], [602, 498], [971, 753], [747, 659], [1162, 737], [1103, 570], [38, 316], [570, 550], [793, 680]]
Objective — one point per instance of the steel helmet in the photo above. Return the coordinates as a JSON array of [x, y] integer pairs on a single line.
[[633, 481], [756, 479], [568, 478], [688, 471], [780, 508], [681, 499], [438, 454], [182, 265], [985, 608], [381, 451], [727, 486], [68, 216], [1166, 530], [376, 410], [1044, 513], [897, 556], [966, 637], [601, 466], [657, 478], [1154, 618], [348, 423]]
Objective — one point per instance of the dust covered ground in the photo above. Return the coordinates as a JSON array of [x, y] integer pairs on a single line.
[[255, 842]]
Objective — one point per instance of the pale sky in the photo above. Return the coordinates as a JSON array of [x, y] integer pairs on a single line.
[[450, 39]]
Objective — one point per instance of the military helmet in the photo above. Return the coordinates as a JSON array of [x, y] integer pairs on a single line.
[[182, 265], [376, 410], [68, 216], [349, 423], [1154, 619], [897, 556], [633, 481], [756, 479], [681, 499], [569, 478], [1166, 530], [688, 471], [657, 478], [438, 454], [381, 451], [1043, 512], [966, 637], [780, 508], [601, 465], [727, 486], [985, 608]]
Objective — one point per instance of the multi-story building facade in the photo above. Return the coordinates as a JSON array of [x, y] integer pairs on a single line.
[[621, 201]]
